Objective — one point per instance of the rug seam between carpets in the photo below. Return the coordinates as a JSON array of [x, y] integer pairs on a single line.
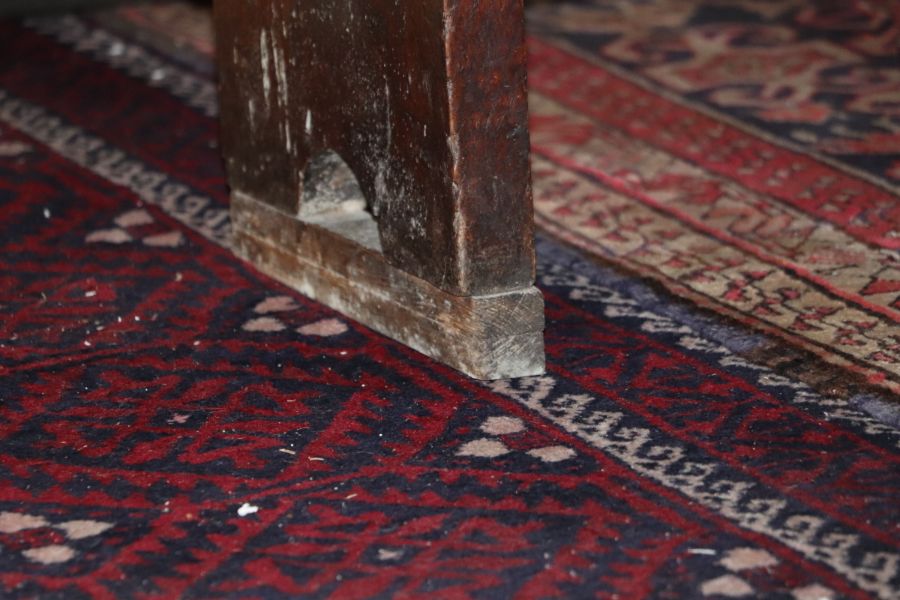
[[733, 315], [104, 58], [185, 219], [220, 215]]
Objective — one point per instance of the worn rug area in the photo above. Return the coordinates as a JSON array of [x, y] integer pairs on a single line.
[[718, 418]]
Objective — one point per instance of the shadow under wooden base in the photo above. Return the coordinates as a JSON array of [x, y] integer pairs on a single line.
[[492, 336]]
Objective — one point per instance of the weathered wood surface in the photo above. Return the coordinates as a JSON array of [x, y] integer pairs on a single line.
[[487, 337], [423, 103], [426, 104]]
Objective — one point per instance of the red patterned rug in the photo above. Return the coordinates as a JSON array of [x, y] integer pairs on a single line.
[[717, 418], [744, 153]]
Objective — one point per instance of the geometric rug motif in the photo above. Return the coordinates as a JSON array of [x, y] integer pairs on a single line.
[[702, 199], [176, 424], [697, 197], [745, 154]]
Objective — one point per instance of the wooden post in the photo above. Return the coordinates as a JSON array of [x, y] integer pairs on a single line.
[[377, 152]]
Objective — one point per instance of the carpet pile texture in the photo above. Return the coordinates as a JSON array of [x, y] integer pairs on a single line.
[[716, 184]]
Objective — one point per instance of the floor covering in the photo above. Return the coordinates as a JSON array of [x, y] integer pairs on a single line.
[[716, 189]]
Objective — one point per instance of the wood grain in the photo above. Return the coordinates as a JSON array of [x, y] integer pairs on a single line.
[[425, 101], [378, 156], [492, 336]]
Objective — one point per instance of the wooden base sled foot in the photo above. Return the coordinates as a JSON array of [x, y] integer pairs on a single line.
[[336, 261], [378, 157]]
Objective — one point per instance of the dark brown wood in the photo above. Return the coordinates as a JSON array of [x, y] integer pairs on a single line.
[[401, 124]]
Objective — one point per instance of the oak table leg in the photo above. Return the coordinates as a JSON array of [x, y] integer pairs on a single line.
[[377, 152]]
